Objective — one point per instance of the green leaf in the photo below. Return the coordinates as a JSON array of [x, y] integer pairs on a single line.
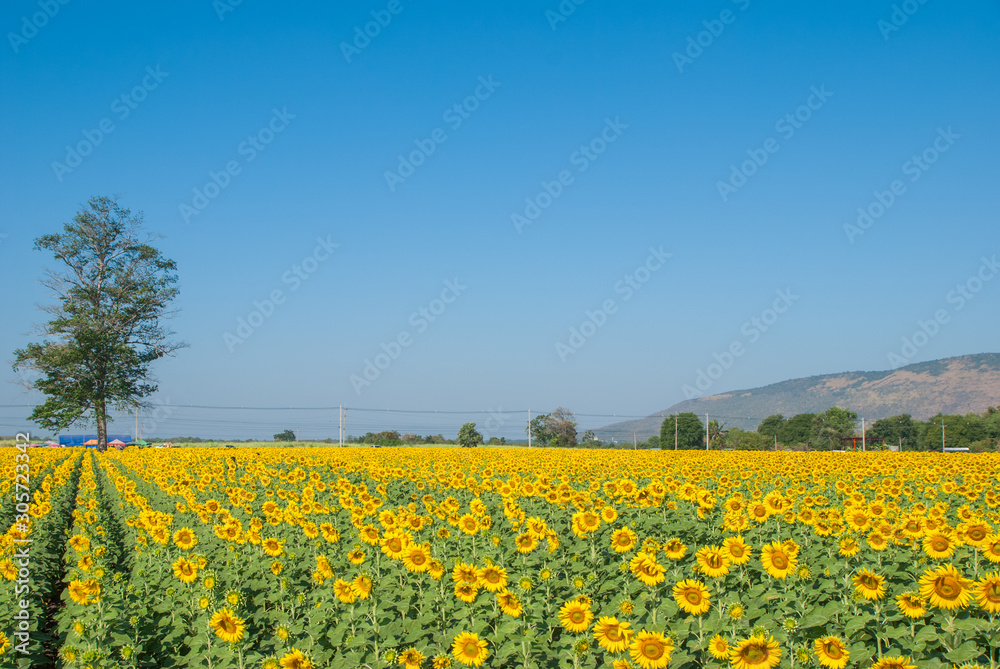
[[967, 652], [813, 619], [925, 634]]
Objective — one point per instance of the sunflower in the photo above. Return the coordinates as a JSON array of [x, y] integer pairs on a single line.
[[411, 658], [469, 524], [441, 662], [417, 558], [712, 561], [295, 659], [719, 647], [227, 625], [464, 573], [8, 570], [869, 585], [526, 542], [612, 635], [277, 567], [509, 603], [469, 649], [645, 567], [877, 541], [692, 596], [675, 549], [975, 533], [357, 556], [492, 578], [272, 546], [80, 542], [466, 591], [849, 546], [185, 570], [891, 662], [939, 545], [755, 652], [344, 590], [651, 650], [575, 616], [84, 592], [991, 549], [737, 550], [394, 543], [944, 587], [778, 560], [911, 605], [623, 540], [987, 592], [185, 539], [831, 652], [362, 585], [735, 612]]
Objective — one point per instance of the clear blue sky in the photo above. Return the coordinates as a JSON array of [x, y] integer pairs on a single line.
[[197, 87]]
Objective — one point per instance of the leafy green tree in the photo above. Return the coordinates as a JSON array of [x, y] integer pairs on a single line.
[[690, 431], [960, 431], [387, 438], [900, 431], [468, 436], [772, 425], [554, 429], [287, 435], [113, 290], [716, 434], [563, 427], [539, 431], [831, 426], [797, 429], [745, 440]]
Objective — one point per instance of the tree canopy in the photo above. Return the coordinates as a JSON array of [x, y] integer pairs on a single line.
[[112, 291]]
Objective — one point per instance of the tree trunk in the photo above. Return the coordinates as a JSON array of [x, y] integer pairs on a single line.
[[102, 426]]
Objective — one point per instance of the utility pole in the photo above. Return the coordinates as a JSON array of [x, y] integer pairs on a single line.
[[675, 432], [942, 435], [136, 433], [529, 428], [775, 442], [340, 416], [706, 432], [862, 435], [296, 434]]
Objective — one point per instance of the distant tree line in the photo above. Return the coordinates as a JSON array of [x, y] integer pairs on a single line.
[[814, 431]]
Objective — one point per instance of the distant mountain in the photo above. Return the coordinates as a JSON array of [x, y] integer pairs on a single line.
[[960, 385]]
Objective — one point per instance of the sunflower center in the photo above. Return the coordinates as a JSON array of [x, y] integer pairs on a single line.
[[948, 587], [652, 649], [833, 651], [227, 626], [613, 634], [736, 551], [754, 654], [939, 544], [470, 649], [693, 597], [992, 592], [779, 560], [714, 561], [977, 534], [577, 617]]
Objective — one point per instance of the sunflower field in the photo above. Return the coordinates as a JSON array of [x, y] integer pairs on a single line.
[[429, 558]]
